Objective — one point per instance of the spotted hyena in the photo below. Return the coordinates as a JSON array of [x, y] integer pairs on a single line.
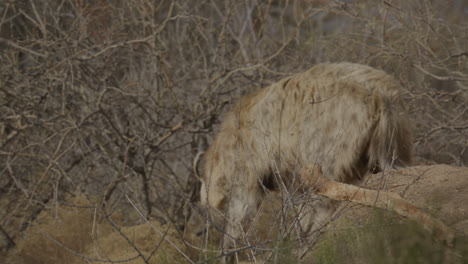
[[344, 117]]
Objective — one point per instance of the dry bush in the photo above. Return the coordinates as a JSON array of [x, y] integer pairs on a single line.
[[116, 98]]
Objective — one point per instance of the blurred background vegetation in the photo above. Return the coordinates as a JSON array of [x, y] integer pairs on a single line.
[[113, 99]]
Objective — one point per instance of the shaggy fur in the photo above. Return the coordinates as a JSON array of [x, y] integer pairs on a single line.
[[344, 117]]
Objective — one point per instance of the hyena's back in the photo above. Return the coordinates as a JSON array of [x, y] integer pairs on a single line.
[[344, 117]]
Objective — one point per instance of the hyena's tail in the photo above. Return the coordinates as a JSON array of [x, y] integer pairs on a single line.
[[391, 141]]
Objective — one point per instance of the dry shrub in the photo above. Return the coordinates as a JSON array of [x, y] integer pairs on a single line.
[[116, 98]]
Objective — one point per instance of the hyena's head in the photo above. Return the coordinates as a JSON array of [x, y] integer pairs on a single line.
[[203, 222], [204, 219]]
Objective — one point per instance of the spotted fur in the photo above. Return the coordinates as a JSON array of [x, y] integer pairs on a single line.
[[344, 117]]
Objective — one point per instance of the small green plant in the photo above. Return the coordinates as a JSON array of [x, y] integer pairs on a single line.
[[386, 239]]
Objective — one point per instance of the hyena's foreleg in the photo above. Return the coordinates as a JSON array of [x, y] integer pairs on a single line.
[[243, 200]]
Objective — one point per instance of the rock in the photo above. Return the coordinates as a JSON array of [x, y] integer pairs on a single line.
[[360, 234]]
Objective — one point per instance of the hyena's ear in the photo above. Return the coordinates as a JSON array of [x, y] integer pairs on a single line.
[[195, 164]]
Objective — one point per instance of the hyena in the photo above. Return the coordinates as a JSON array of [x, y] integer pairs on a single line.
[[344, 117]]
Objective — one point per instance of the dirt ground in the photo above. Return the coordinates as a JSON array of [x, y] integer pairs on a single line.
[[75, 234]]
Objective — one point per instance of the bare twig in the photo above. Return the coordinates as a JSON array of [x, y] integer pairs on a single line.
[[16, 46]]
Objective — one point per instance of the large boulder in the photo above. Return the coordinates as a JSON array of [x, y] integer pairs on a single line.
[[361, 234]]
